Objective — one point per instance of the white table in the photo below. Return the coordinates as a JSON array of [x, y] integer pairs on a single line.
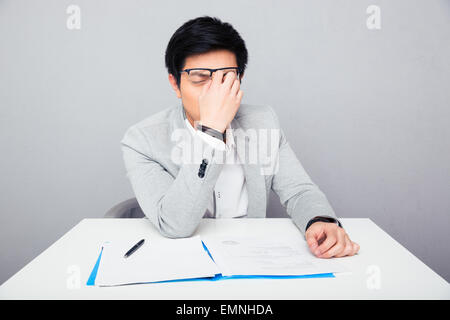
[[383, 269]]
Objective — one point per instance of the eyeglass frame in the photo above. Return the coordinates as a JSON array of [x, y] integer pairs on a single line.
[[238, 70]]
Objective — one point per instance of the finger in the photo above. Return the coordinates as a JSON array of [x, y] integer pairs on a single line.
[[337, 248], [313, 235], [355, 247], [329, 242], [239, 96], [205, 88], [348, 249], [311, 241], [217, 78], [235, 88], [229, 80]]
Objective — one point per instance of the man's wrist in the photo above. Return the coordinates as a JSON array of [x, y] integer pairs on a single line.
[[210, 131], [323, 219]]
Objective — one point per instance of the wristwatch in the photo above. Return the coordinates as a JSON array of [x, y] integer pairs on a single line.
[[323, 219], [212, 132]]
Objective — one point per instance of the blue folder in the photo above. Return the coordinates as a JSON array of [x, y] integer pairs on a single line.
[[93, 275]]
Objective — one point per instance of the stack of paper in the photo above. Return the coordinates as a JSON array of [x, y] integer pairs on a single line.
[[176, 259]]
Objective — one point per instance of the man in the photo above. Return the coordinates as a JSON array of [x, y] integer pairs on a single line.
[[206, 60]]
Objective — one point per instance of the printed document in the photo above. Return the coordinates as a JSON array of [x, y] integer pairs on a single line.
[[259, 256]]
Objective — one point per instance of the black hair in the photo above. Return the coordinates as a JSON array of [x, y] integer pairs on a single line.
[[201, 35]]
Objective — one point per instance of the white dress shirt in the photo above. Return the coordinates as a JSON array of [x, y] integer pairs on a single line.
[[230, 191]]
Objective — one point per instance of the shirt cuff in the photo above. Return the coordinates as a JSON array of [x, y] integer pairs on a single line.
[[212, 141]]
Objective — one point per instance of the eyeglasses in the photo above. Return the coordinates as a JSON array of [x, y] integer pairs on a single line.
[[201, 75]]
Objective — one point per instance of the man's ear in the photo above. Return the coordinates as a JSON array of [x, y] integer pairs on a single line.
[[241, 76], [173, 83]]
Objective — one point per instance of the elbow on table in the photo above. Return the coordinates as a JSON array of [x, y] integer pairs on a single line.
[[174, 232], [169, 223]]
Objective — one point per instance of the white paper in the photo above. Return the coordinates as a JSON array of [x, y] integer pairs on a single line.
[[156, 260], [257, 256]]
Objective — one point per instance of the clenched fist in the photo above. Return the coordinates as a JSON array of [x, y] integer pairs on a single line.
[[327, 240]]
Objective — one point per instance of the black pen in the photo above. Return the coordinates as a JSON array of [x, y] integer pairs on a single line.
[[135, 247]]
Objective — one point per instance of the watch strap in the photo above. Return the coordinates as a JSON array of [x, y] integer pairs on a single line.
[[323, 219], [212, 132]]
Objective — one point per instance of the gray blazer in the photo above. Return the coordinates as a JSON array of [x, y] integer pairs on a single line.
[[176, 195]]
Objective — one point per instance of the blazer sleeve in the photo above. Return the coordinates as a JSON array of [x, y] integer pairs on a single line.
[[301, 197], [174, 205]]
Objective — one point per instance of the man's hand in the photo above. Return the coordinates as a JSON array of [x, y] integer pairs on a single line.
[[327, 240], [219, 102]]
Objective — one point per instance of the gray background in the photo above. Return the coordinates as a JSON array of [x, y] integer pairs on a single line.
[[366, 111]]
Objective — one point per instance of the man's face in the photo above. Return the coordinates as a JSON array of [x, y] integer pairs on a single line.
[[188, 91]]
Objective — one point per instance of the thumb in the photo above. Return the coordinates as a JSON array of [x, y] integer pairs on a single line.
[[311, 239]]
